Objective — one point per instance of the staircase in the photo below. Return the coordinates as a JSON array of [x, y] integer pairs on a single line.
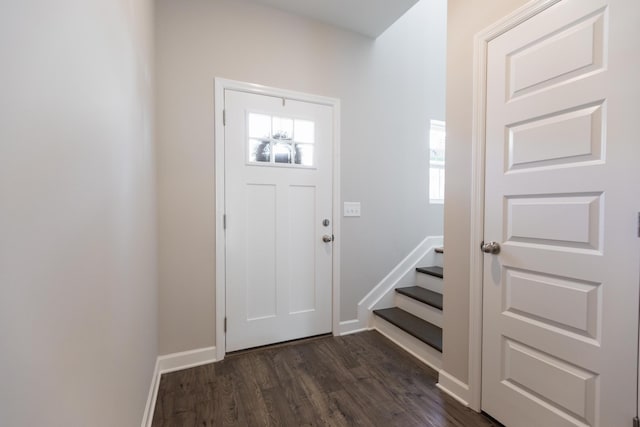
[[415, 321]]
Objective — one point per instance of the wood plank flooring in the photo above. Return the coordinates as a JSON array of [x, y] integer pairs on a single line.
[[356, 380]]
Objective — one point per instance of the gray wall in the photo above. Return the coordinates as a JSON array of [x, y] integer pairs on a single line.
[[78, 306], [465, 18], [389, 88]]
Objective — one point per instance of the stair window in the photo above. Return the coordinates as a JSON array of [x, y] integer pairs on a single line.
[[436, 161]]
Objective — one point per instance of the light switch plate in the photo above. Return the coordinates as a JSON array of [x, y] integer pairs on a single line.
[[351, 208]]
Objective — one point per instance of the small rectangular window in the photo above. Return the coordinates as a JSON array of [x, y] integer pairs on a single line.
[[280, 140], [436, 161]]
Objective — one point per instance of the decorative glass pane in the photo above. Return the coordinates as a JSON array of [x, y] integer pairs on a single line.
[[282, 152], [259, 150], [259, 125], [437, 141], [436, 185], [282, 128], [303, 154], [304, 131]]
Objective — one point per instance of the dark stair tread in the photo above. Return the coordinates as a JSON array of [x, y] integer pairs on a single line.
[[421, 329], [439, 250], [423, 295], [434, 270]]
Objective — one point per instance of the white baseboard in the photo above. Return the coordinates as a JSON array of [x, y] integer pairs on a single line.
[[186, 359], [350, 327], [171, 363], [453, 387], [147, 417], [383, 290]]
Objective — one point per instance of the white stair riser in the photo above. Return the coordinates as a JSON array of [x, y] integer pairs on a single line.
[[438, 259], [417, 348], [419, 309], [430, 282]]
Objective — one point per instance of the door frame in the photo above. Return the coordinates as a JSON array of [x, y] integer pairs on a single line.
[[221, 85], [478, 145]]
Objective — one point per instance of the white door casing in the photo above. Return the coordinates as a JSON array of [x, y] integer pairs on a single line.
[[560, 301], [278, 268]]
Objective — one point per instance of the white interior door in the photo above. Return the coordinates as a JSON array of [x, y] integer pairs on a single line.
[[560, 301], [278, 189]]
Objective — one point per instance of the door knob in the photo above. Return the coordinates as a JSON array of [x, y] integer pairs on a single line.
[[326, 238], [490, 247]]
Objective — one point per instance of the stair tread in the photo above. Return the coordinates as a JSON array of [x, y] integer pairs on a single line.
[[433, 270], [423, 295], [421, 329]]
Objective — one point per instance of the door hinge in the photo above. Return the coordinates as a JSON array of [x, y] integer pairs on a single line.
[[225, 325], [224, 221], [636, 422], [224, 117]]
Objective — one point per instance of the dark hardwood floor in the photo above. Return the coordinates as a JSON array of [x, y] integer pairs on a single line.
[[357, 380]]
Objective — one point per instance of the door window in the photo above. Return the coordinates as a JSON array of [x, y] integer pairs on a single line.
[[280, 141]]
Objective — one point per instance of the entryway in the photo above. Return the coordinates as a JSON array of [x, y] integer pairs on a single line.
[[278, 219]]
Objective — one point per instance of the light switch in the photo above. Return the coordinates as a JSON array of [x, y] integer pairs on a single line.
[[351, 208]]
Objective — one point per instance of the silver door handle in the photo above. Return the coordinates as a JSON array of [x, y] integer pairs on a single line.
[[490, 247], [326, 238]]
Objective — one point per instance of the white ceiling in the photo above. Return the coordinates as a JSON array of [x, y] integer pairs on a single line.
[[368, 17]]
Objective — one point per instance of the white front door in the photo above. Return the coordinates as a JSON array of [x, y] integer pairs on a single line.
[[560, 300], [278, 186]]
